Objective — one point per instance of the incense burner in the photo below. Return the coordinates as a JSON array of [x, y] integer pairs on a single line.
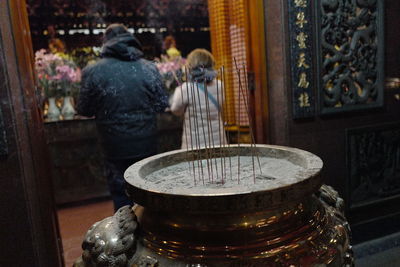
[[289, 222]]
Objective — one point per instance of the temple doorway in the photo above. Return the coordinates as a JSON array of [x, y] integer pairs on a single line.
[[73, 31]]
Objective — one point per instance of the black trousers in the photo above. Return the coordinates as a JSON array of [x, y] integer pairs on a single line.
[[115, 179]]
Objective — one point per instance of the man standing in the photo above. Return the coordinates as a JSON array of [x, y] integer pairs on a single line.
[[124, 92]]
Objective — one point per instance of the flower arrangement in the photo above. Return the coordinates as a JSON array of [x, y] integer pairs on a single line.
[[172, 72], [85, 55], [56, 74]]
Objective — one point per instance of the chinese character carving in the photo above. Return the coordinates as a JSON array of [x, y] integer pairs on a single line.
[[302, 61], [303, 83], [300, 3], [304, 100], [301, 20], [301, 39]]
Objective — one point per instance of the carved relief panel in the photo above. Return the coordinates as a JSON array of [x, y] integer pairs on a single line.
[[373, 164], [350, 54]]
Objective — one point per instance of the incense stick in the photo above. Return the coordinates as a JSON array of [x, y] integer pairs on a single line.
[[253, 142], [208, 156], [190, 125]]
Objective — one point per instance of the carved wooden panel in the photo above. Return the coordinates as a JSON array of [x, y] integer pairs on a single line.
[[350, 50], [374, 164], [77, 159]]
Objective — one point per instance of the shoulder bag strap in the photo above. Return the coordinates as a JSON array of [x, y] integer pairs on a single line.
[[210, 96]]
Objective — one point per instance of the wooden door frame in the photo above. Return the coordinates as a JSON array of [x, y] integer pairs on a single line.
[[31, 236], [256, 53]]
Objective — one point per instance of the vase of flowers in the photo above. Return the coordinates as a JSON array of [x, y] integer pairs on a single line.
[[171, 72], [53, 112], [68, 76], [57, 77], [84, 56], [68, 111]]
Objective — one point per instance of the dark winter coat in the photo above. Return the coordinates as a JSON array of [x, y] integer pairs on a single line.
[[124, 92]]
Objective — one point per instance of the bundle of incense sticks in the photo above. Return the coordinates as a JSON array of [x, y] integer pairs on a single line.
[[212, 159]]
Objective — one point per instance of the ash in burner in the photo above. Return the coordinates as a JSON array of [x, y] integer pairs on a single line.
[[261, 176], [178, 178]]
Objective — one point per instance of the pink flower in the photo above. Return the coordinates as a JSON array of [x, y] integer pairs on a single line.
[[170, 66], [54, 72]]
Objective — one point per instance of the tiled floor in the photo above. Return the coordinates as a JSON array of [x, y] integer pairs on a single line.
[[75, 221], [381, 252]]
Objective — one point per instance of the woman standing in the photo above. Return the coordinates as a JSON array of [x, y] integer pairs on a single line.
[[200, 100]]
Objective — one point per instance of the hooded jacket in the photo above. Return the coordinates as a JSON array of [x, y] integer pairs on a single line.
[[124, 92]]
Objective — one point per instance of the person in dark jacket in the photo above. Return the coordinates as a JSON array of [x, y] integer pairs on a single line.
[[124, 92]]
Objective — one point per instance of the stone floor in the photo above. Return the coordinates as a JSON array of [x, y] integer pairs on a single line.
[[381, 252], [75, 220]]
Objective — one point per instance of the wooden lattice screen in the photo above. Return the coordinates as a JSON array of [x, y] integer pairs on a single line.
[[228, 27]]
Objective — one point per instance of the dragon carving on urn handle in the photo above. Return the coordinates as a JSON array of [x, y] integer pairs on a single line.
[[110, 242]]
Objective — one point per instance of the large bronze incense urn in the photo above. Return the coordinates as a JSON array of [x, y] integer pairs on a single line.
[[276, 213]]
